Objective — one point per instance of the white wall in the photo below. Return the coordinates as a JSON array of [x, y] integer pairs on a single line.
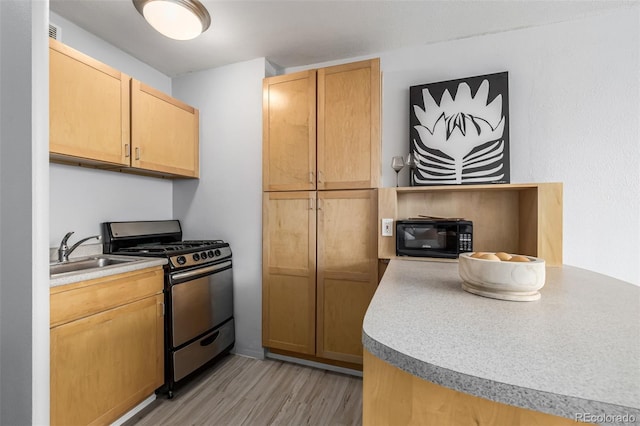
[[40, 214], [226, 202], [82, 198], [24, 281], [574, 116], [574, 92]]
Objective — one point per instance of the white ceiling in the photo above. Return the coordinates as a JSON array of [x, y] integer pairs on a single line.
[[300, 32]]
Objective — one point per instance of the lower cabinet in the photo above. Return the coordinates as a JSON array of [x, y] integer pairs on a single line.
[[319, 271], [106, 346], [289, 271]]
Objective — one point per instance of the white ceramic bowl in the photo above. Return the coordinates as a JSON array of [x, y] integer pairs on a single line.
[[518, 281]]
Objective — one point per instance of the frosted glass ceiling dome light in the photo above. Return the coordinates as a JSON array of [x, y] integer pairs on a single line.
[[176, 19]]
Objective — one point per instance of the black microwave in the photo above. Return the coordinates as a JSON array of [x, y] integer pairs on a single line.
[[433, 238]]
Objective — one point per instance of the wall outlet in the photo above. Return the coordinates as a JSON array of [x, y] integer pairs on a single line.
[[387, 227]]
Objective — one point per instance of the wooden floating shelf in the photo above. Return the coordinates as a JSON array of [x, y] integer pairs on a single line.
[[515, 218]]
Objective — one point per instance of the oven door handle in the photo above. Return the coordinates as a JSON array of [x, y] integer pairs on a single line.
[[209, 340], [200, 271]]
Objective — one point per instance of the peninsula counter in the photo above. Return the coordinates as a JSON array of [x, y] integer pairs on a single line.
[[573, 354]]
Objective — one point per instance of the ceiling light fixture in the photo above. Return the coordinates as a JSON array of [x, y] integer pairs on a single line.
[[176, 19]]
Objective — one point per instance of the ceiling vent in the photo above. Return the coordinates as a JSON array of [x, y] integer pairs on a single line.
[[55, 32]]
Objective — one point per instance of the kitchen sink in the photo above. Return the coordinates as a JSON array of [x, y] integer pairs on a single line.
[[85, 263]]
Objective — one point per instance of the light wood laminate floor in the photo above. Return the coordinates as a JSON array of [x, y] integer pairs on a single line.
[[246, 391]]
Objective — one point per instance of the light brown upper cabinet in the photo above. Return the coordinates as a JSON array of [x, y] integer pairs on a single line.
[[164, 132], [100, 117], [321, 128], [88, 108], [289, 132], [349, 126]]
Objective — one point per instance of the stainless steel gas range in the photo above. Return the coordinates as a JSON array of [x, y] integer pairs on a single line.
[[198, 291]]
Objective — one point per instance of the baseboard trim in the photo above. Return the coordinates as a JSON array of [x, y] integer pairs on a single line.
[[314, 364], [143, 407], [251, 353]]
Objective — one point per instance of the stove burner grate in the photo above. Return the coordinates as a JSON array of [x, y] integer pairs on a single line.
[[178, 246]]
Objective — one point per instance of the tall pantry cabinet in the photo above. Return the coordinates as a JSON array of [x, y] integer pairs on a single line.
[[321, 168]]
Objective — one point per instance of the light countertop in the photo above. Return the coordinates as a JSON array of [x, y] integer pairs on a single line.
[[136, 263], [576, 350]]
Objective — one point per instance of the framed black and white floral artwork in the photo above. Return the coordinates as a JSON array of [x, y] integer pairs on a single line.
[[459, 131]]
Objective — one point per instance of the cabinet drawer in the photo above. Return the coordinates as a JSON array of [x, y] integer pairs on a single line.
[[192, 356], [78, 300]]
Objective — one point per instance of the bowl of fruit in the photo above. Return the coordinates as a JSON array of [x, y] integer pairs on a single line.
[[502, 275]]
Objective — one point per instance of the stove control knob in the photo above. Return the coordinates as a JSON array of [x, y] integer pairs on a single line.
[[181, 260], [203, 255], [196, 257], [211, 254], [217, 252]]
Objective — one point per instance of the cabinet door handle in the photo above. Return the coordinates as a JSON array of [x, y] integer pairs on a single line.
[[320, 178], [310, 203], [319, 204], [310, 177], [127, 151], [137, 153]]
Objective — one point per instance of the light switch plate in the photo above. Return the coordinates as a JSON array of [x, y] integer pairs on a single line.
[[387, 227]]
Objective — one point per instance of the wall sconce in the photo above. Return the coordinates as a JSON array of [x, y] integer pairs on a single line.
[[176, 19]]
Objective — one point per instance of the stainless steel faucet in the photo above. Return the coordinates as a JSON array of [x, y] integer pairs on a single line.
[[64, 251]]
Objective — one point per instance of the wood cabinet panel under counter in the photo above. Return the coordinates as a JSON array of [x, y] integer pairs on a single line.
[[107, 345]]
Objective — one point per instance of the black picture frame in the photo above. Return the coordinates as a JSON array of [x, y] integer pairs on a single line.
[[459, 131]]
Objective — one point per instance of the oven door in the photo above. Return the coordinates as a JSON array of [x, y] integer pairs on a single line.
[[201, 299]]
